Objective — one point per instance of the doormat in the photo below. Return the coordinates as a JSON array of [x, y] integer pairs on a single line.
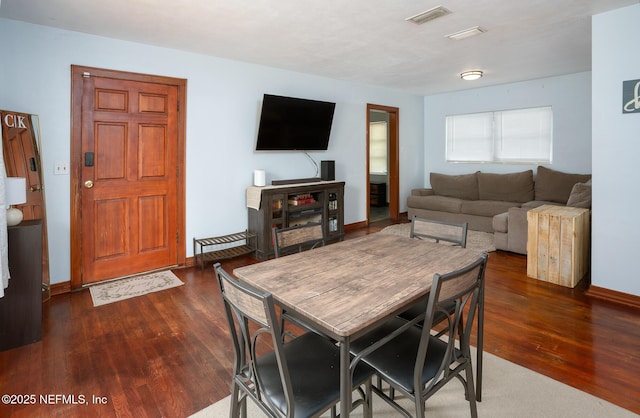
[[131, 287]]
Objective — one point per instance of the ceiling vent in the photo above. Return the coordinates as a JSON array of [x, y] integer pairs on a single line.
[[456, 36], [428, 15]]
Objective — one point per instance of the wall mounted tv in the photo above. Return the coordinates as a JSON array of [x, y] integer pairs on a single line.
[[289, 123]]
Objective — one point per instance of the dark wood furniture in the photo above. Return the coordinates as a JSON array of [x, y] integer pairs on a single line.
[[324, 287], [21, 306], [378, 194], [284, 206]]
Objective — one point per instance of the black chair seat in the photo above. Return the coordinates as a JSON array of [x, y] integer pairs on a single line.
[[396, 360], [314, 369]]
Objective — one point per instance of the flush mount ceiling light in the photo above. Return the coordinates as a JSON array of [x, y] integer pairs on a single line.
[[471, 75], [466, 33], [428, 15]]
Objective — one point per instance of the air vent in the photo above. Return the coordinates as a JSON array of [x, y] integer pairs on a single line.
[[456, 36], [428, 15]]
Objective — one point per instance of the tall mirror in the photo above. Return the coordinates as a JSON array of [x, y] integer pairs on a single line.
[[21, 148]]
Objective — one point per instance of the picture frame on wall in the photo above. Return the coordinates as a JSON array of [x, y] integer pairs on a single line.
[[631, 96]]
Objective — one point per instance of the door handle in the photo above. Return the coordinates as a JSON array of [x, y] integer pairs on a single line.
[[88, 184]]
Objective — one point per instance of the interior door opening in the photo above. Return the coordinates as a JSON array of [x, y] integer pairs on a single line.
[[382, 163]]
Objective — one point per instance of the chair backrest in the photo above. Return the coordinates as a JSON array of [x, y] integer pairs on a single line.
[[460, 289], [252, 319], [455, 233], [297, 238]]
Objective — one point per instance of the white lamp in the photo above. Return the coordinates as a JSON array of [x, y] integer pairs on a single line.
[[15, 194]]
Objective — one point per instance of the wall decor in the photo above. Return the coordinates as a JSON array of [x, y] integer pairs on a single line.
[[631, 96]]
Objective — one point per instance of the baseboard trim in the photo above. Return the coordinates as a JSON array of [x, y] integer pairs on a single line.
[[613, 296], [60, 288], [351, 227]]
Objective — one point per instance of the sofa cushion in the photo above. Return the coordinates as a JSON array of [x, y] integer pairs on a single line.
[[463, 186], [580, 196], [440, 203], [556, 186], [488, 208], [511, 187]]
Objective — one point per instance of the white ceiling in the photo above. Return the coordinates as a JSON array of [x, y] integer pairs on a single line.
[[364, 41]]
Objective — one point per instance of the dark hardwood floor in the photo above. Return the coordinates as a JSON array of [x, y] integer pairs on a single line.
[[167, 354]]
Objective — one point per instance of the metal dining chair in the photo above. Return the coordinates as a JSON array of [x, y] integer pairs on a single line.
[[298, 378], [439, 231], [297, 238], [416, 363], [455, 234]]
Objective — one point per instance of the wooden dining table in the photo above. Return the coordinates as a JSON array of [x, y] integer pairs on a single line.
[[348, 288]]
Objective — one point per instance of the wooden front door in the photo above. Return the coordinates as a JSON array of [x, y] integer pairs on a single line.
[[128, 162]]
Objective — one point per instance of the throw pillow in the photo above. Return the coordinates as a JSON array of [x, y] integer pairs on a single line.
[[463, 186], [510, 187], [555, 186], [580, 196]]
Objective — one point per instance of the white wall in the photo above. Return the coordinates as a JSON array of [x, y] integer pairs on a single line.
[[569, 96], [616, 153], [223, 103]]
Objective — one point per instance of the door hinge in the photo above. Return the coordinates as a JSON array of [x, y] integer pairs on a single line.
[[177, 236]]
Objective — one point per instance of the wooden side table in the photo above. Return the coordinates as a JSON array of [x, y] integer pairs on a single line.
[[558, 244]]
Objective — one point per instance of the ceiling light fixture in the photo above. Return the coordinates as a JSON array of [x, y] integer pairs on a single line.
[[471, 75], [428, 15], [466, 33]]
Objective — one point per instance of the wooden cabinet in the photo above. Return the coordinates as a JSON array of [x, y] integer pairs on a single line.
[[558, 244], [21, 306], [296, 204], [378, 194]]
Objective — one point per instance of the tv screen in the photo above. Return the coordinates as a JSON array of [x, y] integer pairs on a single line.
[[289, 123]]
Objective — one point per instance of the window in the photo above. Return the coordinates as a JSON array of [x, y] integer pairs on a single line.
[[511, 136], [378, 132]]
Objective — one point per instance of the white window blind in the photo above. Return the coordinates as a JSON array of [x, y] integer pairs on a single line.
[[512, 136], [378, 132]]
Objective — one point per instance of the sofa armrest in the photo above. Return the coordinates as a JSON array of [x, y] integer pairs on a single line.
[[422, 192], [518, 230]]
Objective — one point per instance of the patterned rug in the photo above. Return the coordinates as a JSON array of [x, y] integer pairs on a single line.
[[479, 240], [131, 287]]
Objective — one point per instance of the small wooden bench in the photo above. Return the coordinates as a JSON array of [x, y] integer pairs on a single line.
[[224, 247]]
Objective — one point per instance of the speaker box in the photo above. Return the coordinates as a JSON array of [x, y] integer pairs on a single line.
[[328, 170]]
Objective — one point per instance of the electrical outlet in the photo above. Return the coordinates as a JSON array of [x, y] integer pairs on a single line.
[[61, 168]]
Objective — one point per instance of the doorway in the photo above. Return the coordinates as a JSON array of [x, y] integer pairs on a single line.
[[127, 166], [382, 163]]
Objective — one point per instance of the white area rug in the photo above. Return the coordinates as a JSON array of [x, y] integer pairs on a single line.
[[509, 391], [131, 287], [479, 240]]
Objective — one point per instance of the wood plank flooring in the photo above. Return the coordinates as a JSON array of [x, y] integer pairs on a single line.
[[167, 354]]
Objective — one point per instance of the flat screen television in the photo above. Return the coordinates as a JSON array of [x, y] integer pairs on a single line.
[[289, 123]]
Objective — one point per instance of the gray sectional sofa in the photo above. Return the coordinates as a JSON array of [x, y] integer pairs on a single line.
[[498, 203]]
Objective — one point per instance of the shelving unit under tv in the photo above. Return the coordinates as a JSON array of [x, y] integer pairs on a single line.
[[281, 206]]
